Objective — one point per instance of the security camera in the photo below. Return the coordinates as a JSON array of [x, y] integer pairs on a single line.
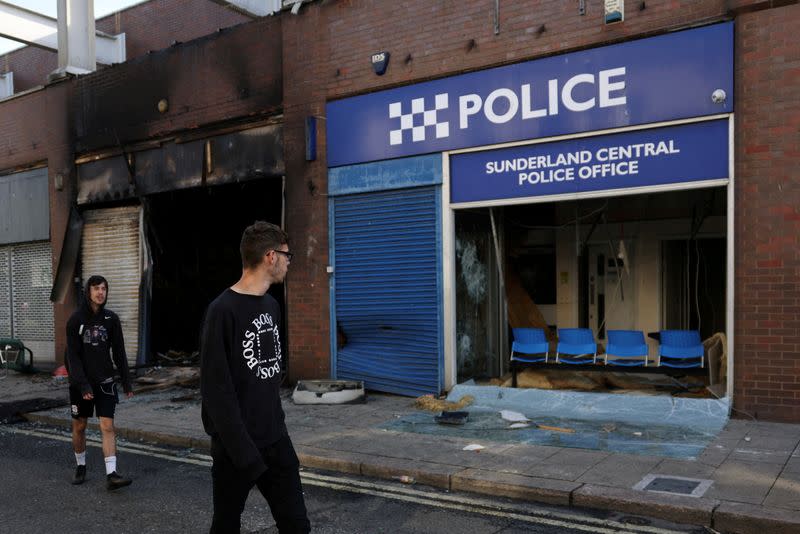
[[718, 96]]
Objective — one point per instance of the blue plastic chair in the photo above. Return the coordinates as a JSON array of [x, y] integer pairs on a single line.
[[626, 347], [680, 348], [575, 342], [529, 341]]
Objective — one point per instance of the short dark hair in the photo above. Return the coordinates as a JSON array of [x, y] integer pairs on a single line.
[[258, 239], [95, 280]]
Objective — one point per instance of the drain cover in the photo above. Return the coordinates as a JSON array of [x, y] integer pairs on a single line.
[[691, 487], [673, 485]]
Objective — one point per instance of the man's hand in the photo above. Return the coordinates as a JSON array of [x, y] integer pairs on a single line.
[[88, 396]]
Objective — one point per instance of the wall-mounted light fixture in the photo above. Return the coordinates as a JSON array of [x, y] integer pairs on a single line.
[[615, 11], [379, 62]]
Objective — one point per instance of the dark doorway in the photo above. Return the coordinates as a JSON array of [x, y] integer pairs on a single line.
[[194, 239]]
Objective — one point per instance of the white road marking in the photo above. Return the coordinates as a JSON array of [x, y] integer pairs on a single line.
[[518, 512]]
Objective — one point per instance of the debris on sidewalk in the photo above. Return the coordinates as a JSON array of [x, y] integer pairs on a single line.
[[518, 425], [452, 418], [177, 357], [329, 392], [432, 404], [514, 417], [556, 429], [473, 447], [405, 479], [167, 377]]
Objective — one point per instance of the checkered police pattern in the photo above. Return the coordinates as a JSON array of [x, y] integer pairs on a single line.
[[419, 120]]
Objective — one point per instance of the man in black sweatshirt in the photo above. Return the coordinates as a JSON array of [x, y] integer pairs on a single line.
[[94, 337], [241, 361]]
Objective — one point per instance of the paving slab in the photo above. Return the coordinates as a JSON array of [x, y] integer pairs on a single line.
[[714, 455], [772, 443], [740, 518], [747, 454], [683, 468], [621, 470], [785, 493], [746, 482], [793, 465], [680, 509], [567, 464]]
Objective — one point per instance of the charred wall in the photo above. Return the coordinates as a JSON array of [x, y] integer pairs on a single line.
[[148, 26], [233, 74]]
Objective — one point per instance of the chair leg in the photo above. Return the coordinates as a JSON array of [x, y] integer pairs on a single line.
[[513, 374]]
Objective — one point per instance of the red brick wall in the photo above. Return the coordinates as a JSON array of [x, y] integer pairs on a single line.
[[30, 66], [305, 58], [23, 130], [153, 25], [767, 361]]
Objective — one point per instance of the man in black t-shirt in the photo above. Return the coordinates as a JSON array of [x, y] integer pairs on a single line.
[[241, 360], [94, 339]]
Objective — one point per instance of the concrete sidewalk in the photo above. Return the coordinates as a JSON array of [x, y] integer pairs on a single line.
[[753, 467]]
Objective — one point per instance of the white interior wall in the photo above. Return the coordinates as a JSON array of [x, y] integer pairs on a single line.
[[646, 270]]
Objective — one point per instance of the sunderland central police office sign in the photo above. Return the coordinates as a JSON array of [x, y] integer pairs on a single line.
[[643, 158], [663, 78]]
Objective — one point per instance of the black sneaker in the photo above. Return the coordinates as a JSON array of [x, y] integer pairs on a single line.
[[114, 481], [80, 475]]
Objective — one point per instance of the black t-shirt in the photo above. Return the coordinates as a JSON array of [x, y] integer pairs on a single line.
[[240, 374]]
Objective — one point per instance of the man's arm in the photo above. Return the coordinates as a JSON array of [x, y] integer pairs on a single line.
[[77, 374], [120, 358], [220, 400]]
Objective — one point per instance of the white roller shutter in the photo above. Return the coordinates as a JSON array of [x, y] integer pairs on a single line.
[[110, 248]]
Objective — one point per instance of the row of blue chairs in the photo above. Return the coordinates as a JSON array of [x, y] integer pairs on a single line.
[[677, 348]]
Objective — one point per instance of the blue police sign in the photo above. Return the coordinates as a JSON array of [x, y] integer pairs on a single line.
[[658, 156], [657, 79]]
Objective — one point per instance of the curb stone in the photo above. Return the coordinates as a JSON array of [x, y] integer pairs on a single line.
[[740, 518], [542, 490], [679, 509]]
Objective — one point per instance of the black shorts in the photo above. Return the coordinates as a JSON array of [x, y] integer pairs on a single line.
[[104, 402]]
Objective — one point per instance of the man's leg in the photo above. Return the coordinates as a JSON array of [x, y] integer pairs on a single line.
[[109, 438], [281, 487], [79, 435], [105, 398], [81, 410], [230, 491], [79, 448]]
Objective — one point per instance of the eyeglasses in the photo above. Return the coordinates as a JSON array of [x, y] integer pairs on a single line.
[[288, 255]]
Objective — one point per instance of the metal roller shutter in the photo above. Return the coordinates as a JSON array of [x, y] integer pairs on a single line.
[[388, 290], [32, 311], [110, 248], [5, 291]]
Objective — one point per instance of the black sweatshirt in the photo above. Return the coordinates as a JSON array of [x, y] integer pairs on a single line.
[[240, 377], [92, 340]]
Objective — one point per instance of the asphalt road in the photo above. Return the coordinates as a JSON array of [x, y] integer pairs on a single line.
[[171, 493]]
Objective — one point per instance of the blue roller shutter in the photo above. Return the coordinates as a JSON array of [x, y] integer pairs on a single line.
[[388, 289]]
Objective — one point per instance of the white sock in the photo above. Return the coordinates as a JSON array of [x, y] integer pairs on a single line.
[[111, 464], [80, 457]]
